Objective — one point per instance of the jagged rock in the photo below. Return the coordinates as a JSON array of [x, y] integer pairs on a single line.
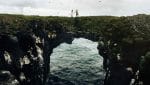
[[29, 53], [29, 39]]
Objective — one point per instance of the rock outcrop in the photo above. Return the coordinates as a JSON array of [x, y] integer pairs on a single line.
[[26, 44], [26, 55]]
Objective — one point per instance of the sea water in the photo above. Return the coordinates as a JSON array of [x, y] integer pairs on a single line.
[[78, 62]]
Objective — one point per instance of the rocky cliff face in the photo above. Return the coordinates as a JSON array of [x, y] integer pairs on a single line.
[[26, 45], [122, 62], [26, 55]]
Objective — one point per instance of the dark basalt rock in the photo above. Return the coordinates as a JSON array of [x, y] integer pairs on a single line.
[[26, 55], [25, 52], [27, 45], [120, 71], [6, 78]]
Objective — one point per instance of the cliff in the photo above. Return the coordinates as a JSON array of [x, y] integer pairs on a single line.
[[26, 43]]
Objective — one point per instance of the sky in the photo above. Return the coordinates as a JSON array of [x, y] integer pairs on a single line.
[[84, 7]]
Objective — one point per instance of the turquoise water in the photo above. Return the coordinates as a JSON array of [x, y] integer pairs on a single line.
[[78, 62]]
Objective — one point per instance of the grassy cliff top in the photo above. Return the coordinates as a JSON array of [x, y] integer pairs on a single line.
[[110, 27]]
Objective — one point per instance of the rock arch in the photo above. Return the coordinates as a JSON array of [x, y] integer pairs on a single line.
[[35, 43]]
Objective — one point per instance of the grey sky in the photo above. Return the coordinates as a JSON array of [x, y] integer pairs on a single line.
[[85, 7]]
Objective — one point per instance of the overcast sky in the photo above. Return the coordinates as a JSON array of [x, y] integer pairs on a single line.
[[85, 7]]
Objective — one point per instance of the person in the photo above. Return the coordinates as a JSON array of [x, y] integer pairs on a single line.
[[72, 13], [77, 13]]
